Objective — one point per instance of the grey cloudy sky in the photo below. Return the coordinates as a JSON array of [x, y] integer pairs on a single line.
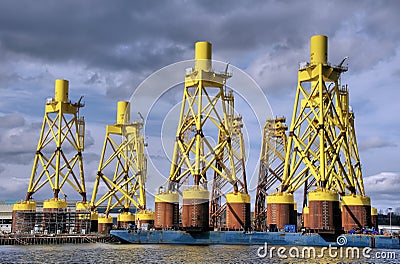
[[107, 48]]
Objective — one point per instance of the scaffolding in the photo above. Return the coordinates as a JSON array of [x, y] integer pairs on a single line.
[[55, 222]]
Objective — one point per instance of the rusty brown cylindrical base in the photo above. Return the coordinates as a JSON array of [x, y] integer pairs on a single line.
[[125, 220], [145, 219], [356, 217], [374, 218], [104, 224], [238, 215], [195, 214], [238, 210], [145, 223], [279, 215], [356, 212], [124, 224], [325, 213], [104, 228], [374, 221], [195, 210], [280, 211], [325, 216], [166, 215]]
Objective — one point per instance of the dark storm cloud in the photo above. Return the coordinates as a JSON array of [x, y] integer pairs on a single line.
[[101, 33], [141, 36], [17, 139], [11, 121], [106, 48], [136, 35]]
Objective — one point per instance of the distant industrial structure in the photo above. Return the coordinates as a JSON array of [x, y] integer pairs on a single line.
[[317, 155]]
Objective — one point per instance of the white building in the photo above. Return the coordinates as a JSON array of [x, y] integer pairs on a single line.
[[5, 216]]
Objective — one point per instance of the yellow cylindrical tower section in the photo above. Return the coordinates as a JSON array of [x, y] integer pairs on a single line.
[[123, 112], [319, 49], [238, 210], [82, 206], [55, 204], [25, 206], [306, 217], [203, 56], [125, 219], [374, 211], [23, 217], [61, 91]]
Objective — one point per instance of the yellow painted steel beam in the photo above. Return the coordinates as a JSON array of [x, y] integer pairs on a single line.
[[272, 159], [125, 186], [207, 111], [203, 99], [59, 131], [320, 143]]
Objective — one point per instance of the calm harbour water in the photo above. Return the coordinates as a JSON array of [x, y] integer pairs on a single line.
[[109, 253]]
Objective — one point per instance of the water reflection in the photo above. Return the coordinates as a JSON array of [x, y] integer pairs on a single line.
[[106, 253]]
